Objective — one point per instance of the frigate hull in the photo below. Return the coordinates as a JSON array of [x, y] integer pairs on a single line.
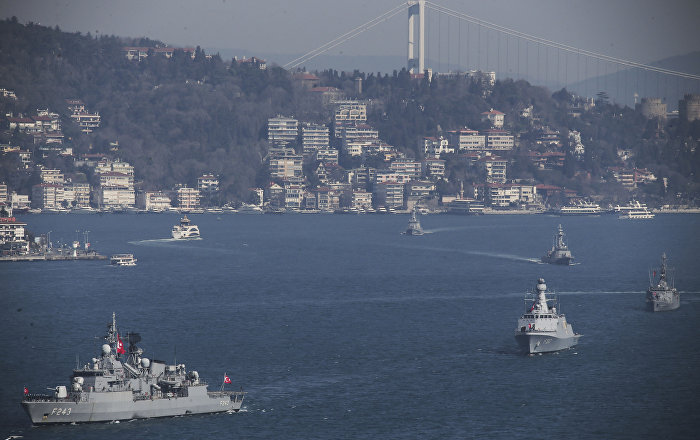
[[105, 407], [539, 342], [664, 306]]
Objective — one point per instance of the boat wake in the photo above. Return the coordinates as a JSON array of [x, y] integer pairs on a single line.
[[479, 253]]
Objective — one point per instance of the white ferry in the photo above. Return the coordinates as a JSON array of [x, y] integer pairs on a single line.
[[123, 260], [634, 210], [185, 229], [582, 208]]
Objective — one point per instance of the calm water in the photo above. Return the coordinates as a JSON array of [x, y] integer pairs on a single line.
[[340, 327]]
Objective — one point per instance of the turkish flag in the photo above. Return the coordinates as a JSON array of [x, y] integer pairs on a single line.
[[26, 390], [120, 345], [227, 379]]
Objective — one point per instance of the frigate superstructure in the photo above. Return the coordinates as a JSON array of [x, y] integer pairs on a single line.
[[541, 328], [662, 296], [414, 227], [122, 384], [560, 253]]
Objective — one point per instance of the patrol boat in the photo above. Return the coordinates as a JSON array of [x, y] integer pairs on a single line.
[[414, 227], [122, 384], [560, 253], [185, 229], [541, 329], [662, 297]]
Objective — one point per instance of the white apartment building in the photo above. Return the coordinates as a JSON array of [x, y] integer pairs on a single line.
[[494, 168], [113, 178], [467, 140], [503, 195], [495, 117], [115, 197], [282, 130], [361, 199], [293, 196], [389, 194], [208, 183], [348, 113], [47, 196], [153, 201], [433, 168], [499, 140], [383, 176], [77, 194], [327, 155], [54, 177], [314, 137], [286, 166], [435, 146], [406, 166]]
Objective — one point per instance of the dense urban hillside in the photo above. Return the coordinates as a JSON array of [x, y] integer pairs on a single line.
[[176, 118]]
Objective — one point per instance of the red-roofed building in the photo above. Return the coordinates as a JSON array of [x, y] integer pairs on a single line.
[[306, 80], [495, 117]]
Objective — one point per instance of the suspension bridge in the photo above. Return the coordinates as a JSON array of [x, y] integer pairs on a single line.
[[442, 40]]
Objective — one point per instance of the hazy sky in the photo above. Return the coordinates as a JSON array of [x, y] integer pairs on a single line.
[[638, 30]]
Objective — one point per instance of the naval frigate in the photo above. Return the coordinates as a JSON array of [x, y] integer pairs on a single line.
[[121, 384], [560, 253], [541, 329], [662, 296]]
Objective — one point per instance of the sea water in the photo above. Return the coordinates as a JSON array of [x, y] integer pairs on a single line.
[[338, 326]]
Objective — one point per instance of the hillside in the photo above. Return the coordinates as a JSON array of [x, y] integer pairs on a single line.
[[174, 119]]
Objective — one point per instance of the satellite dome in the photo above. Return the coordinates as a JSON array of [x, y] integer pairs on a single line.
[[145, 363], [106, 349]]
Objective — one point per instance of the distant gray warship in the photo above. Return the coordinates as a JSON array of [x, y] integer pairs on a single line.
[[414, 227], [541, 329], [134, 388], [560, 253], [662, 297]]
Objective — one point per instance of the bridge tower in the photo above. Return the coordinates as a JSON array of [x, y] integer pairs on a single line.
[[416, 61]]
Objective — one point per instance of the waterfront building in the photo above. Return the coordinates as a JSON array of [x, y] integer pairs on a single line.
[[361, 199], [208, 184], [187, 198], [153, 201], [115, 197], [3, 193], [12, 236], [77, 194], [47, 196], [389, 194], [420, 189], [293, 196], [508, 194], [19, 202]]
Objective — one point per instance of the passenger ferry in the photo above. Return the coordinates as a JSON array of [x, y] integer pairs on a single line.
[[582, 208], [634, 210], [185, 229], [123, 260]]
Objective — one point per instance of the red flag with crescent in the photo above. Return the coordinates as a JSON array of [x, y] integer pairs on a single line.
[[227, 379], [120, 345]]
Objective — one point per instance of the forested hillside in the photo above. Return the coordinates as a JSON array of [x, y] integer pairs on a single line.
[[174, 119]]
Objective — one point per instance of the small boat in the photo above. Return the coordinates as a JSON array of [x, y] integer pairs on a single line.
[[123, 260], [185, 229], [560, 253], [541, 329], [662, 297], [414, 227]]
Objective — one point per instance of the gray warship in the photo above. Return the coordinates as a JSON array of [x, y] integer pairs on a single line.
[[414, 227], [662, 296], [560, 253], [114, 388], [541, 329]]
